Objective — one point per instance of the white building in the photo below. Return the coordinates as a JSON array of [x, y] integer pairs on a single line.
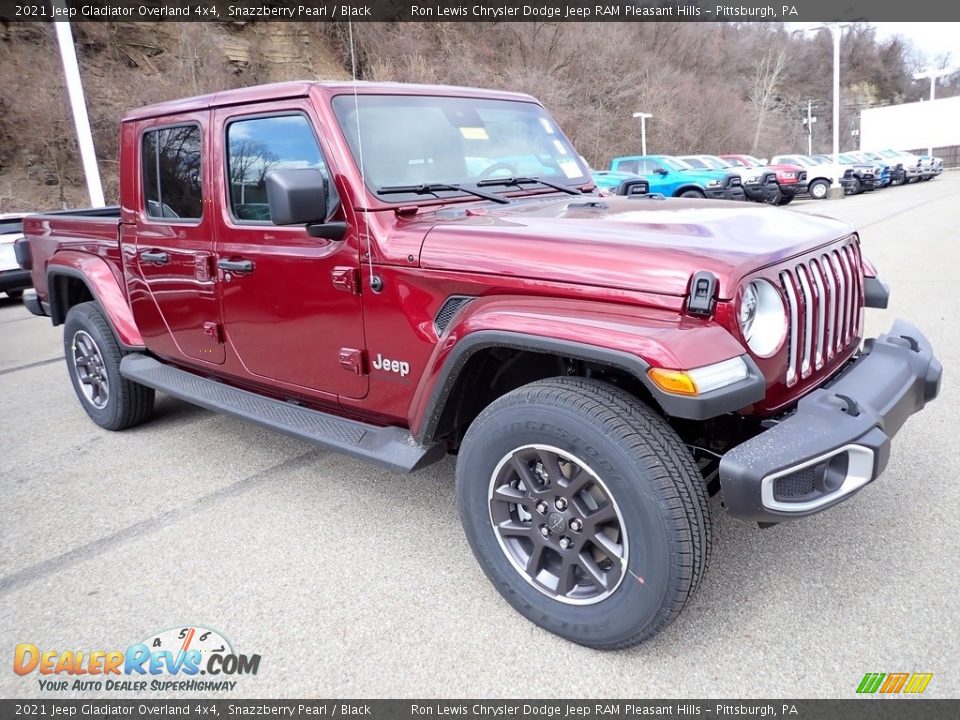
[[914, 126]]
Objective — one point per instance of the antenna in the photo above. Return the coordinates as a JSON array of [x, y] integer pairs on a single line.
[[376, 283]]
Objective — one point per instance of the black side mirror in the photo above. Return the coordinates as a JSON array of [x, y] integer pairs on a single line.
[[661, 171], [298, 196]]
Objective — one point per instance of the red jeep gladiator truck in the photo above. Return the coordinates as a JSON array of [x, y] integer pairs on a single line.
[[399, 272]]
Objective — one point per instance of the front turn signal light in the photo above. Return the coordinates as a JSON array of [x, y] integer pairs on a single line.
[[673, 381], [702, 379]]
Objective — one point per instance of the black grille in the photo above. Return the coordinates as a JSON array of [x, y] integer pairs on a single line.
[[448, 310], [734, 182], [796, 484]]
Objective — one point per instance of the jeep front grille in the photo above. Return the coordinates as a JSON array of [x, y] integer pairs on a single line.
[[824, 305]]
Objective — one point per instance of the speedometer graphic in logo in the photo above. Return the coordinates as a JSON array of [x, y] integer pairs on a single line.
[[181, 640]]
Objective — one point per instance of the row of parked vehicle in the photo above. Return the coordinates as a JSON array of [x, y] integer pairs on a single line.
[[776, 181]]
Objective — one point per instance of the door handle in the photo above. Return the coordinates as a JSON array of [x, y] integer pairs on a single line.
[[240, 266], [155, 256]]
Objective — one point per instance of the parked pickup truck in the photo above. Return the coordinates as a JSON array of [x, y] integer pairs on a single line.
[[758, 185], [791, 179], [318, 259], [13, 279], [820, 174], [672, 177]]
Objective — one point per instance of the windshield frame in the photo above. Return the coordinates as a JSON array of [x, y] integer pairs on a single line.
[[371, 186]]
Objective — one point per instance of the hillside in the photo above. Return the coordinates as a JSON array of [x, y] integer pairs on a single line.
[[712, 87]]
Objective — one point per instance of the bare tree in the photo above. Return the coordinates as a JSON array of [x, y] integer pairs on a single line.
[[764, 87]]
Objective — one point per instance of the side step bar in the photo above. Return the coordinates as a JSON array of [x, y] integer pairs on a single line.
[[392, 447]]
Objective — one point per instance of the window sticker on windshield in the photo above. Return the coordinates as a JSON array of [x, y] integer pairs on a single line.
[[569, 167], [474, 133], [546, 125], [559, 146]]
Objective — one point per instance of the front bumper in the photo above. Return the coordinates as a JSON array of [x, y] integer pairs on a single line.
[[727, 193], [797, 188], [838, 439], [15, 280], [761, 192]]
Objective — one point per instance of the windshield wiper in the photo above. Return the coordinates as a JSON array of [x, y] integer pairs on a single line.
[[433, 188], [526, 181]]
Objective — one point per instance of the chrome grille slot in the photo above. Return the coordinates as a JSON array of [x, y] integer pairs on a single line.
[[825, 304]]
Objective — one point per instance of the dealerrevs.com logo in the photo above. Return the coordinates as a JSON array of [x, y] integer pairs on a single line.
[[178, 659]]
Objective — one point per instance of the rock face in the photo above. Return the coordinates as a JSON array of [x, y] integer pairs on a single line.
[[125, 65]]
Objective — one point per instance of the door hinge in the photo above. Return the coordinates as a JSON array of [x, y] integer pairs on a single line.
[[353, 360], [347, 279], [214, 330], [203, 267]]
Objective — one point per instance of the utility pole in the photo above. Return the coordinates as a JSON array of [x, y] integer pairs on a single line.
[[643, 130], [71, 73]]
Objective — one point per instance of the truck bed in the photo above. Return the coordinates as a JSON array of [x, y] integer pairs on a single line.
[[92, 230]]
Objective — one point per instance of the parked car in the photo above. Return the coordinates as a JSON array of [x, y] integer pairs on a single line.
[[13, 279], [933, 165], [909, 164], [791, 179], [760, 185], [672, 177], [620, 183], [820, 174], [881, 170], [588, 359], [864, 174]]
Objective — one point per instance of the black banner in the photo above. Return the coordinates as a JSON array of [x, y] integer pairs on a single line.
[[854, 709], [477, 10]]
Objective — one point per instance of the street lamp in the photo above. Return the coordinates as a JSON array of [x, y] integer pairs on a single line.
[[836, 30], [643, 130], [933, 75]]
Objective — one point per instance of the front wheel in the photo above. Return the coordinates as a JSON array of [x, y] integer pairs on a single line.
[[785, 199], [585, 510], [14, 294], [692, 194], [93, 361], [819, 189]]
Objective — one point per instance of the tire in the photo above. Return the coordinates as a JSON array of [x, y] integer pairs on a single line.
[[856, 188], [14, 294], [93, 355], [776, 199], [634, 465], [819, 189], [692, 194], [785, 199]]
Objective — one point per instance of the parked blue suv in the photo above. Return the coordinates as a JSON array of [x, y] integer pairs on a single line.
[[673, 177]]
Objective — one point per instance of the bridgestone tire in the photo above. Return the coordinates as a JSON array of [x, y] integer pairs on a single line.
[[127, 403], [651, 477]]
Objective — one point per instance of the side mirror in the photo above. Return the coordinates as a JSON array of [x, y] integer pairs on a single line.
[[298, 196], [661, 171]]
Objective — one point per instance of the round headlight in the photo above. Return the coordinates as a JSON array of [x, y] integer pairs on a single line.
[[763, 319]]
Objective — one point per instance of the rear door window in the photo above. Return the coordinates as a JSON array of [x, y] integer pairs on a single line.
[[172, 184]]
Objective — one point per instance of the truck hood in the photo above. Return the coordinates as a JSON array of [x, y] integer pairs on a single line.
[[639, 244]]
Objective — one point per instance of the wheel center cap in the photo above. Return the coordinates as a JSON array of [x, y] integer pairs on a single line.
[[556, 523]]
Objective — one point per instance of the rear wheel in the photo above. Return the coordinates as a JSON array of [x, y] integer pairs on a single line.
[[819, 189], [585, 510], [93, 361], [692, 194]]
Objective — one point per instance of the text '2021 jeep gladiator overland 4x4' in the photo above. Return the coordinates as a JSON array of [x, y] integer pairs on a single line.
[[398, 272]]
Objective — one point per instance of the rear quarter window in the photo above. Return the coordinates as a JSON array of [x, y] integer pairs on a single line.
[[172, 184]]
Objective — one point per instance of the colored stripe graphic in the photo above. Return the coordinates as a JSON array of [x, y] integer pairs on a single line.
[[918, 683], [894, 682], [870, 682]]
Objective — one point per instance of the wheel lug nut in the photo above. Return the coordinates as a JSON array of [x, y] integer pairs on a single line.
[[566, 543], [544, 530], [542, 507], [561, 504], [576, 525]]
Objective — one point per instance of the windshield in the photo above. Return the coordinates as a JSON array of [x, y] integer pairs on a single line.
[[716, 163], [417, 140], [814, 160], [889, 153], [675, 163], [754, 162], [737, 162], [696, 162]]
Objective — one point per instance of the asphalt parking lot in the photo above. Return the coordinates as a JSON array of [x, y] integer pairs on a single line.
[[353, 582]]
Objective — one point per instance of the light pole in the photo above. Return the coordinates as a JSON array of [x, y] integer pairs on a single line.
[[933, 75], [836, 31], [71, 73], [643, 130]]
